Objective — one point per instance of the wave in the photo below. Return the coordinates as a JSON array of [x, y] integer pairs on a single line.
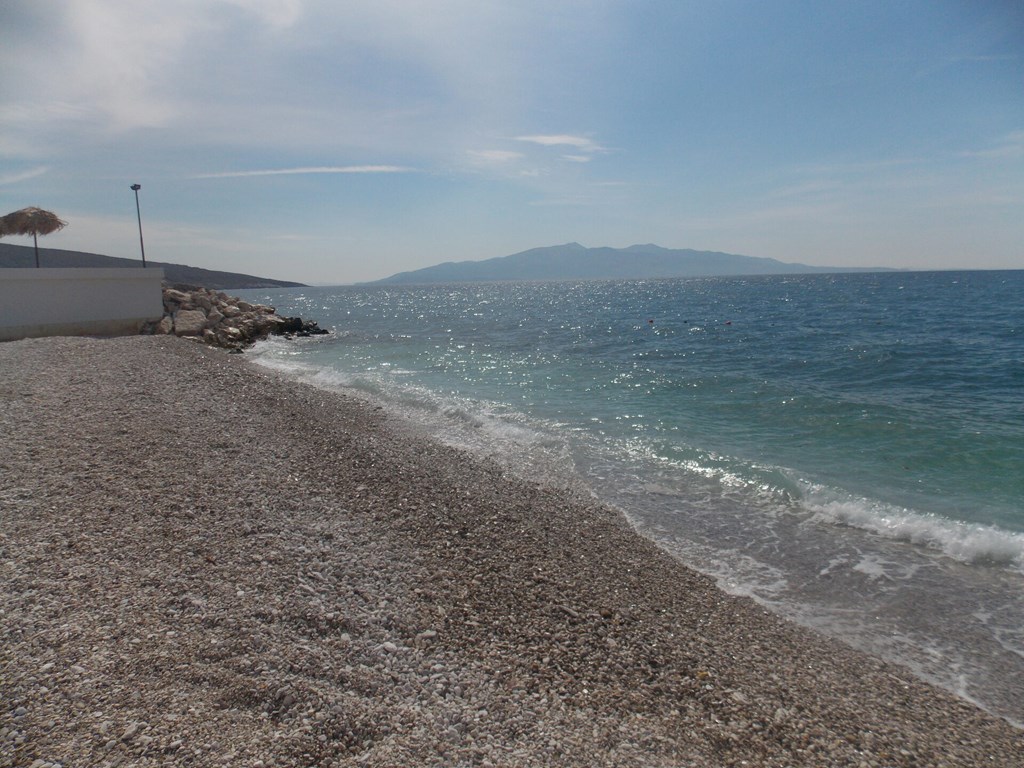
[[527, 447], [522, 443], [971, 543], [689, 473]]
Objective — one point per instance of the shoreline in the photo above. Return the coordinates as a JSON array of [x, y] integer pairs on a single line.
[[289, 580], [837, 580]]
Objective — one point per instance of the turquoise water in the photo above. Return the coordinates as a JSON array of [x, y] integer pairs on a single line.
[[846, 449]]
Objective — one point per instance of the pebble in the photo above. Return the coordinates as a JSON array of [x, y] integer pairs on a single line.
[[567, 639]]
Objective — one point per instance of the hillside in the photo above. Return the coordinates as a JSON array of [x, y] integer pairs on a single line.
[[576, 262], [24, 256]]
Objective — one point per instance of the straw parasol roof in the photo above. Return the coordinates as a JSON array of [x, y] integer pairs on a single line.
[[31, 221]]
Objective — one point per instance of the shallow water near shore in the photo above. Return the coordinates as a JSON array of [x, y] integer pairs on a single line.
[[846, 449]]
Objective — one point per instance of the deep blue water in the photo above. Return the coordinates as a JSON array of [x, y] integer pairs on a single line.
[[846, 449]]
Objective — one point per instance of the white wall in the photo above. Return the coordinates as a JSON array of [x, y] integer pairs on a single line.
[[78, 302]]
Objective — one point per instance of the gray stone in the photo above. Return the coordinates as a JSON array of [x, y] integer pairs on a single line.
[[189, 322], [177, 297]]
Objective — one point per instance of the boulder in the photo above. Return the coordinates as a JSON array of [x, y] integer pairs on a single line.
[[174, 296], [290, 325], [189, 322]]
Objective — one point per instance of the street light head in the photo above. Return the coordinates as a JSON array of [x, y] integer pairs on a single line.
[[136, 187]]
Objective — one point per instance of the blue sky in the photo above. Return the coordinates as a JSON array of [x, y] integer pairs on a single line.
[[334, 141]]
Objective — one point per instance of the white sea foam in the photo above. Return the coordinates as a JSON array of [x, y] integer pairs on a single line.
[[966, 542], [734, 571]]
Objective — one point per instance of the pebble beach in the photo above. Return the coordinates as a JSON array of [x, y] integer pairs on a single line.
[[205, 563]]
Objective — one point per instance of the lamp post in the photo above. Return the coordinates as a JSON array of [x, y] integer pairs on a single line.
[[138, 212]]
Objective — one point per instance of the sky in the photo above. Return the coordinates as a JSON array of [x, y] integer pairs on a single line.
[[338, 141]]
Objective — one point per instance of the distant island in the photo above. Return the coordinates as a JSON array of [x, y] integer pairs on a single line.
[[24, 256], [573, 261]]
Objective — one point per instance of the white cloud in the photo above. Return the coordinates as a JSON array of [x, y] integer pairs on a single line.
[[90, 67], [406, 76], [564, 140], [31, 173], [120, 60], [569, 200], [275, 13], [1009, 147], [306, 170], [577, 158], [1001, 57], [494, 155]]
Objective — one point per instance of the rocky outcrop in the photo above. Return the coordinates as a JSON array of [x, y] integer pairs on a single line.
[[215, 318]]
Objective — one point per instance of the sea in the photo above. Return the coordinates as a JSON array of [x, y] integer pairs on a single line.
[[845, 449]]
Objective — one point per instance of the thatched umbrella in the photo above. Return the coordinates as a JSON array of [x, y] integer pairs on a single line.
[[31, 221]]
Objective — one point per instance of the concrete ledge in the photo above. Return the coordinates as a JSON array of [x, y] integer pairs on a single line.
[[78, 302]]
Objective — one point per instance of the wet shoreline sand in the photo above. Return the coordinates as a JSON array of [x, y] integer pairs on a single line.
[[203, 562]]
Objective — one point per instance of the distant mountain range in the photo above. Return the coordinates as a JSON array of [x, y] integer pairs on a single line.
[[24, 256], [576, 262]]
